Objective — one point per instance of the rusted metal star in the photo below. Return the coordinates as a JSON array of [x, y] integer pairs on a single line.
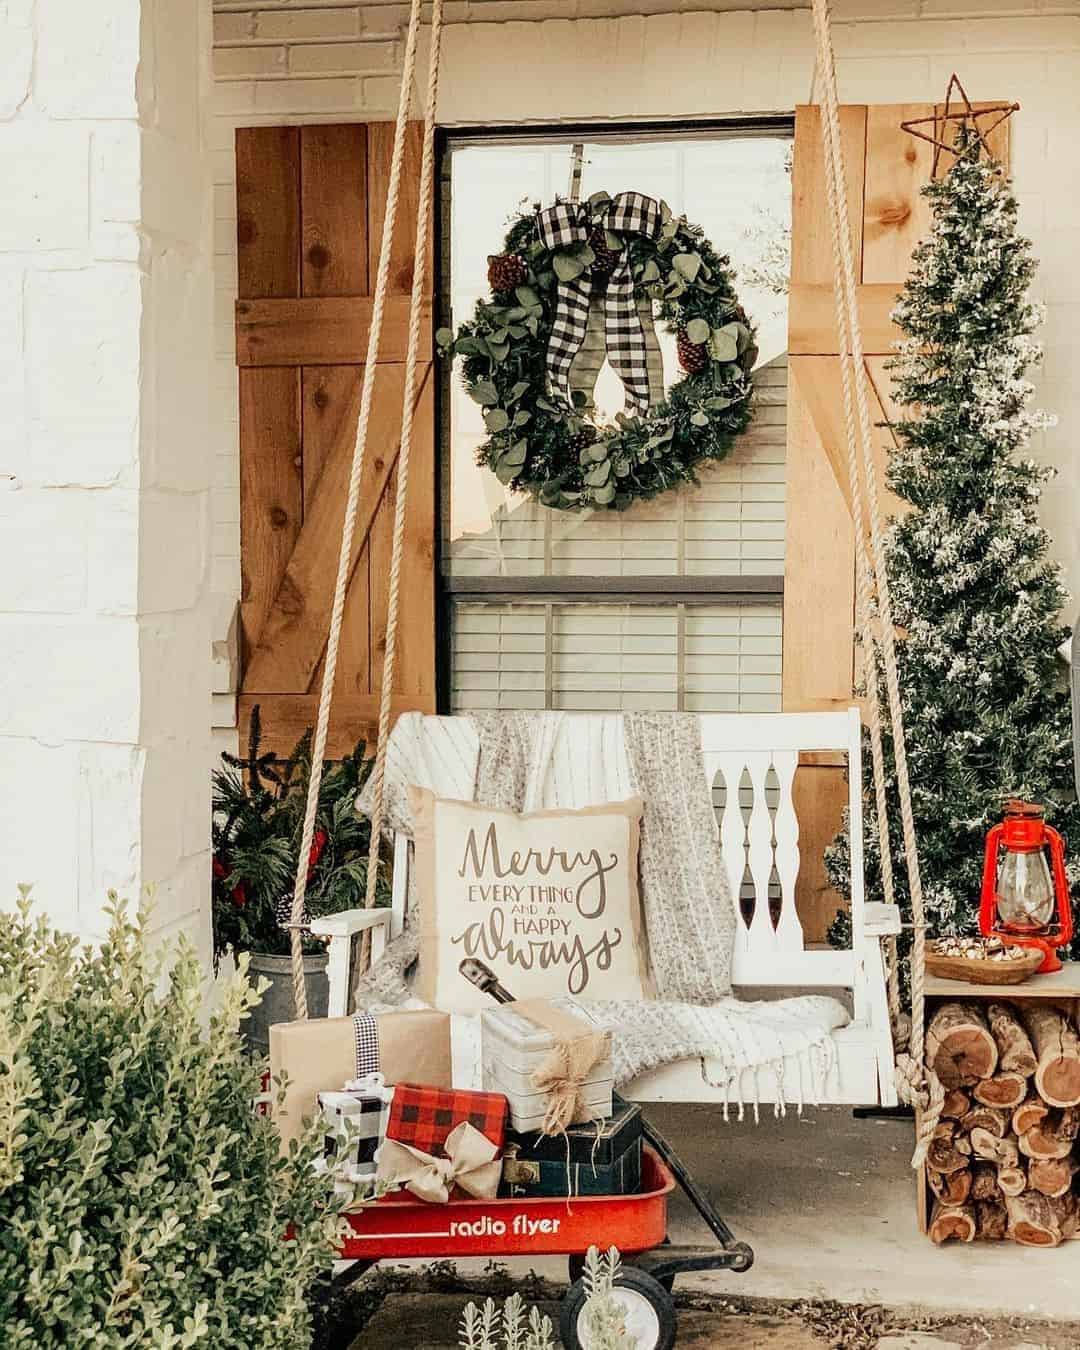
[[959, 112]]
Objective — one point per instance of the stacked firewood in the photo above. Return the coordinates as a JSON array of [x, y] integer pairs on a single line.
[[1004, 1155]]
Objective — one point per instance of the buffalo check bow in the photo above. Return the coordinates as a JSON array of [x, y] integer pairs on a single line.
[[565, 225]]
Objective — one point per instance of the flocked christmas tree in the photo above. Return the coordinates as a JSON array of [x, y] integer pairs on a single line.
[[976, 599]]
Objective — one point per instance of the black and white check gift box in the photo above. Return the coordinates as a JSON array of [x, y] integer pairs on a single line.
[[355, 1121]]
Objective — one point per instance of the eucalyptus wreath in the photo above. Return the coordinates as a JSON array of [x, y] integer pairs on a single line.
[[552, 446]]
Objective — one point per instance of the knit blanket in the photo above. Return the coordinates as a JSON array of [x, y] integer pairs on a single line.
[[532, 761]]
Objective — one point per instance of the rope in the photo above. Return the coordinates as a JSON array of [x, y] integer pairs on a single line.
[[868, 644], [416, 312], [352, 503], [915, 1083]]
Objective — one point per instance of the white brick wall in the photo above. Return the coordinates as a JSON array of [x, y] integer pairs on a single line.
[[546, 60], [105, 291]]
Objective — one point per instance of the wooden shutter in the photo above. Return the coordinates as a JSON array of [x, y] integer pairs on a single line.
[[310, 203], [886, 167]]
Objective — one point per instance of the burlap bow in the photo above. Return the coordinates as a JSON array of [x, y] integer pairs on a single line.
[[566, 225], [562, 1076], [472, 1162]]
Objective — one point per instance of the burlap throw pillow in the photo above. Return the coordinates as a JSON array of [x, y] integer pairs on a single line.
[[548, 900]]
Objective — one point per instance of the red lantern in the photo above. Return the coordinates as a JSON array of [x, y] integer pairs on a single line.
[[1025, 902]]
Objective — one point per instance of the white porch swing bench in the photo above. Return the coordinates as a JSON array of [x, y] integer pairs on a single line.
[[760, 844]]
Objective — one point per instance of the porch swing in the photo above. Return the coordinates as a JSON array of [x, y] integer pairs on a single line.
[[767, 954]]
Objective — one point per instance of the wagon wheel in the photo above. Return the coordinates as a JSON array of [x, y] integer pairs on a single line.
[[575, 1269], [646, 1305]]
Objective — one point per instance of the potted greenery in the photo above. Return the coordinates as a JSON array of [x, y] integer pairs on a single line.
[[258, 806], [142, 1201]]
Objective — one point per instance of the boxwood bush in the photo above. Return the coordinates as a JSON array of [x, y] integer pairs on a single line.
[[142, 1203]]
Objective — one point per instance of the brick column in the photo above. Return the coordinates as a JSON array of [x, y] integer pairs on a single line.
[[105, 323]]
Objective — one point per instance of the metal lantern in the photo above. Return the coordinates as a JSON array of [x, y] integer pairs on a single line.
[[1025, 898]]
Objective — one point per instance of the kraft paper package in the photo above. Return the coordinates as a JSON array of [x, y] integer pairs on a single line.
[[324, 1054]]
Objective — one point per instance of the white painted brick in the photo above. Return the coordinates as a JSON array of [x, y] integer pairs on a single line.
[[83, 364], [70, 679], [87, 58], [225, 575], [113, 554], [116, 159], [234, 27], [120, 243], [12, 358], [109, 827], [173, 560], [384, 20], [45, 172], [380, 95], [308, 23], [292, 96], [228, 97], [18, 62], [239, 63], [361, 58], [40, 842], [42, 551]]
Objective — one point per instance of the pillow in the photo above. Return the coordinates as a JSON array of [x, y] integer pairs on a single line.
[[549, 901]]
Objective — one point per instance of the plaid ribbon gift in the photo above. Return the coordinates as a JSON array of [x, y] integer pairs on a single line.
[[566, 225], [425, 1116]]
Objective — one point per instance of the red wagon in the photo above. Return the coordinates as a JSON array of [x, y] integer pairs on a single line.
[[399, 1227]]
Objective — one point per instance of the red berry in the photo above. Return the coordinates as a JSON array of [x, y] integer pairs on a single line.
[[506, 271]]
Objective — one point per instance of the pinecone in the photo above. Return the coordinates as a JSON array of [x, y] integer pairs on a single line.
[[607, 259], [505, 271], [693, 356], [580, 439]]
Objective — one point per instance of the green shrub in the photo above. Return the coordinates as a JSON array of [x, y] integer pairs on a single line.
[[142, 1203]]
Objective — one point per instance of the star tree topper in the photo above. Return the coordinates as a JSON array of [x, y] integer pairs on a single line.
[[958, 112]]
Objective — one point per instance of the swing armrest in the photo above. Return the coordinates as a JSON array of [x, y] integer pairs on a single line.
[[349, 922], [340, 929]]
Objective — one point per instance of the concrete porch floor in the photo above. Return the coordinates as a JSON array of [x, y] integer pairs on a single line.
[[827, 1202]]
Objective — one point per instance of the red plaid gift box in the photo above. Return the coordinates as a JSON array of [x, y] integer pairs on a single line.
[[424, 1116]]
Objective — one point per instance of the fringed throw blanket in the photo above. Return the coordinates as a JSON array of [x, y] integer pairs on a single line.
[[532, 761]]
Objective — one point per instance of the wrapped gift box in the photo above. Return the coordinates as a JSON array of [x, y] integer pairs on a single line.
[[323, 1054], [355, 1119], [422, 1115], [605, 1158], [515, 1047]]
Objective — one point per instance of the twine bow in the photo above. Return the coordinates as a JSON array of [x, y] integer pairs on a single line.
[[472, 1162], [567, 225], [562, 1076]]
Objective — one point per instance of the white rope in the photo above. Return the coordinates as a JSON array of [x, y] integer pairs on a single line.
[[915, 1083], [318, 751], [421, 254]]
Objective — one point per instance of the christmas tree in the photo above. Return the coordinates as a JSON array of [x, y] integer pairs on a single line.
[[975, 597]]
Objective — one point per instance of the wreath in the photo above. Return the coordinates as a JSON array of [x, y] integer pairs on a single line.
[[580, 281]]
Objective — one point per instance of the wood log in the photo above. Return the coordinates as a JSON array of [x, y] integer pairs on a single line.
[[1035, 1220], [953, 1188], [956, 1105], [1039, 1142], [1064, 1124], [943, 1156], [1057, 1045], [984, 1182], [1051, 1176], [952, 1221], [1029, 1114], [959, 1046], [1012, 1180], [986, 1145], [991, 1221], [1003, 1089], [992, 1118], [1015, 1051]]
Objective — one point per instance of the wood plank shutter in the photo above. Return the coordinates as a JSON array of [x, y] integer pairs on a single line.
[[310, 204], [886, 167]]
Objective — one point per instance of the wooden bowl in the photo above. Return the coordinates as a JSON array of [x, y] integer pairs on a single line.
[[976, 970]]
